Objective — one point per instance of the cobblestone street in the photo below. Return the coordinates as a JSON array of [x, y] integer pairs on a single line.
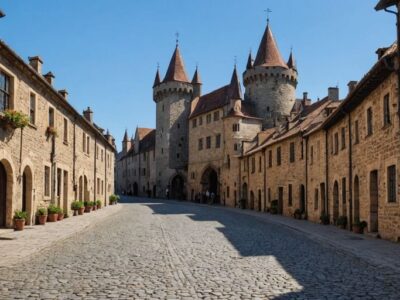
[[173, 250]]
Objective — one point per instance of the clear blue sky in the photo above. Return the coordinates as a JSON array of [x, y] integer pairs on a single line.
[[105, 52]]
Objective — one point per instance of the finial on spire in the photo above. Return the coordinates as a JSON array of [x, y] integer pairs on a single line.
[[268, 11], [177, 38]]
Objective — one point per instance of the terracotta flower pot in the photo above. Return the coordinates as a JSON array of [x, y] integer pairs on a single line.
[[81, 210], [60, 217], [75, 212], [94, 207], [358, 229], [88, 209], [52, 218], [19, 224], [42, 219]]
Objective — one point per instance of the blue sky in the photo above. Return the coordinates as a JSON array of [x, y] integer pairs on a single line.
[[105, 52]]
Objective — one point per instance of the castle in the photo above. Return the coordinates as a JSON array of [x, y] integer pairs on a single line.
[[332, 160]]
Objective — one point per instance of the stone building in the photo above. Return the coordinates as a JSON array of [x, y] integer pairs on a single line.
[[136, 164], [60, 156]]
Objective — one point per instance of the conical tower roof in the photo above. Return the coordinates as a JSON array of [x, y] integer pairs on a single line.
[[249, 62], [176, 69], [196, 77], [157, 79], [292, 62], [126, 135], [235, 91], [268, 54]]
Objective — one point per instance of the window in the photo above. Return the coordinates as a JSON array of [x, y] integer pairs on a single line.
[[216, 116], [218, 141], [235, 128], [356, 132], [144, 171], [4, 91], [386, 110], [259, 164], [369, 121], [343, 137], [84, 142], [102, 154], [301, 150], [227, 192], [87, 144], [312, 155], [228, 161], [391, 183], [200, 121], [98, 185], [51, 117], [316, 195], [200, 146], [178, 155], [344, 195], [179, 125], [65, 130], [32, 109], [253, 164], [47, 181], [194, 123], [193, 175], [270, 158], [336, 143], [208, 118], [278, 156], [290, 199], [236, 147], [291, 152], [208, 142]]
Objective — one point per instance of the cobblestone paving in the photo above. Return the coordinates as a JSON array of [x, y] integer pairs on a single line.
[[170, 250]]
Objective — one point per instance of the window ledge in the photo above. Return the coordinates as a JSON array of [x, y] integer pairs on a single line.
[[65, 143], [33, 126], [386, 126]]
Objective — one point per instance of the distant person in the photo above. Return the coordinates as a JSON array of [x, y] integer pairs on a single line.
[[167, 193], [212, 197]]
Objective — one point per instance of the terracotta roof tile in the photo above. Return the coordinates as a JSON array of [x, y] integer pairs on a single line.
[[196, 77], [211, 101], [157, 79], [176, 69]]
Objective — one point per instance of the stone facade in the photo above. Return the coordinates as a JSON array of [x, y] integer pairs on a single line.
[[38, 168]]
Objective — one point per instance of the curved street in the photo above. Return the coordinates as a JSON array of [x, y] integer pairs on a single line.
[[177, 250]]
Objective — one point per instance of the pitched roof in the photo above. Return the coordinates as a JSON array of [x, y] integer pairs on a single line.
[[211, 101], [235, 91], [157, 79], [250, 61], [176, 69], [292, 62], [148, 141], [125, 135], [142, 132], [268, 54], [196, 77]]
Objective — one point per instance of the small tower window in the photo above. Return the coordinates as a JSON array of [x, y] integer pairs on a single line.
[[179, 125]]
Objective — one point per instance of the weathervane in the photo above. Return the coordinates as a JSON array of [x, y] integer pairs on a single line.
[[268, 11], [177, 38]]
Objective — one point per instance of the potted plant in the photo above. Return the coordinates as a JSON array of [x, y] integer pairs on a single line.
[[19, 220], [113, 199], [297, 214], [52, 211], [358, 226], [51, 131], [94, 207], [88, 206], [12, 119], [274, 207], [98, 202], [60, 214], [42, 215], [76, 206], [342, 222], [324, 218]]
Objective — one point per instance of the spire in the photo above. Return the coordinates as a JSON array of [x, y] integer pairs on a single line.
[[268, 54], [176, 69], [235, 91], [292, 62], [126, 135], [157, 80], [249, 62], [196, 77]]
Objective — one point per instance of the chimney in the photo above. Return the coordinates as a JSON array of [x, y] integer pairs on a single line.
[[63, 93], [333, 93], [305, 96], [352, 85], [88, 115], [36, 63], [49, 77], [381, 51]]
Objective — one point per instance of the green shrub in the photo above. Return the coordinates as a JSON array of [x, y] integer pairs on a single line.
[[75, 205], [361, 224], [113, 198], [16, 119], [98, 203], [42, 211], [342, 221], [20, 215], [52, 209], [88, 203], [324, 218]]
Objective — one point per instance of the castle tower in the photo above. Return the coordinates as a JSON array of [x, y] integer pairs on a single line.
[[172, 96], [196, 82], [270, 83], [126, 143]]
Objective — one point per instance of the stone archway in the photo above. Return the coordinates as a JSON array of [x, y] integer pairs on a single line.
[[80, 193], [335, 201], [177, 187], [251, 200], [356, 205], [135, 189], [27, 199], [86, 194], [302, 203], [6, 193], [374, 201], [209, 182], [244, 194]]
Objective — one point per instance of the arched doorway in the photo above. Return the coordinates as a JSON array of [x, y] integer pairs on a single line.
[[135, 189], [3, 195], [356, 208], [209, 182], [177, 186], [244, 194], [335, 201], [80, 193], [259, 200], [373, 196], [154, 191], [302, 203], [27, 194], [251, 200], [86, 189]]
